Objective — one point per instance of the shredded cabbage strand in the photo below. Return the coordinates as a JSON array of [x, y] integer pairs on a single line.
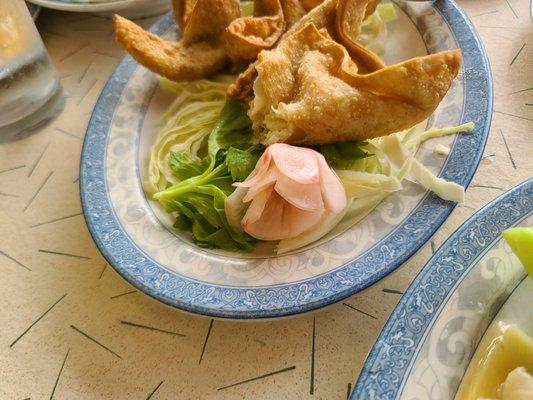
[[374, 28], [186, 124]]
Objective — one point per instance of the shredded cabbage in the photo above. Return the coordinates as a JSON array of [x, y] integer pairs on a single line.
[[247, 8], [395, 157], [450, 191], [188, 121], [363, 184], [415, 141], [374, 27], [441, 150]]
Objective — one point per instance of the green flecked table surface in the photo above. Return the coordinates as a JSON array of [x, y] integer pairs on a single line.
[[71, 328]]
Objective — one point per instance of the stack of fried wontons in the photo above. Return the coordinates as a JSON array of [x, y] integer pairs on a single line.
[[306, 78]]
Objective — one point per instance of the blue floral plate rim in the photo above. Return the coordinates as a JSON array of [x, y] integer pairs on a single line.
[[291, 298], [389, 387]]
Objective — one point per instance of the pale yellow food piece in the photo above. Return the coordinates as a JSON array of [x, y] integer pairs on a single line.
[[502, 349], [520, 239], [201, 51], [307, 92], [518, 385]]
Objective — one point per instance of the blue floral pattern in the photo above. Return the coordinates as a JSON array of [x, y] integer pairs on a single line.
[[134, 238], [425, 347]]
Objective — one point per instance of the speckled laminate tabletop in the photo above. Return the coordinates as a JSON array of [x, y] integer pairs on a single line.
[[71, 328]]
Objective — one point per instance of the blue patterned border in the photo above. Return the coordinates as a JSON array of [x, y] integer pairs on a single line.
[[294, 298], [397, 346]]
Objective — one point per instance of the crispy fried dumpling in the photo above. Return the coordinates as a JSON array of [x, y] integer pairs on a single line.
[[310, 4], [200, 52], [349, 17], [306, 92], [342, 20], [182, 11], [293, 11], [247, 36], [242, 87]]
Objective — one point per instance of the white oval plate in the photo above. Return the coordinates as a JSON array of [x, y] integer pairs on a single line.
[[135, 237]]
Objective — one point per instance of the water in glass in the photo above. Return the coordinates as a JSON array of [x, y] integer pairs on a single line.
[[27, 78]]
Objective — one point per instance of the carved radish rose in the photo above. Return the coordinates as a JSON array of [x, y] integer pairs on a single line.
[[291, 191]]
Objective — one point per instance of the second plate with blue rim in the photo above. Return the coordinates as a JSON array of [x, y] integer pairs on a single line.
[[134, 237], [425, 347]]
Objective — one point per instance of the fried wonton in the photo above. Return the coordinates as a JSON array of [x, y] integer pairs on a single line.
[[200, 52], [293, 11], [247, 36], [182, 11], [349, 17], [342, 19], [310, 4], [307, 93]]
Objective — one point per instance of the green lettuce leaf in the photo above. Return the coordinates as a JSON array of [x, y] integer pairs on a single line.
[[198, 199], [233, 129], [241, 163], [184, 165], [343, 155], [182, 222]]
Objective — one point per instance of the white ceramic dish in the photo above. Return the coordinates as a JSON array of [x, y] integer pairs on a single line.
[[136, 236]]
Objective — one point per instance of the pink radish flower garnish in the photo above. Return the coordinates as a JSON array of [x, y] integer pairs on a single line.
[[291, 191]]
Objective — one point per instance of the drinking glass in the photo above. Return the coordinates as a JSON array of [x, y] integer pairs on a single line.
[[29, 87]]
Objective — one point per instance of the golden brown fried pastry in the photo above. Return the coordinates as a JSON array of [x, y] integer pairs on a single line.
[[306, 92], [293, 11], [182, 11], [310, 4], [200, 52], [342, 19], [247, 36], [349, 17], [371, 7], [243, 85]]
